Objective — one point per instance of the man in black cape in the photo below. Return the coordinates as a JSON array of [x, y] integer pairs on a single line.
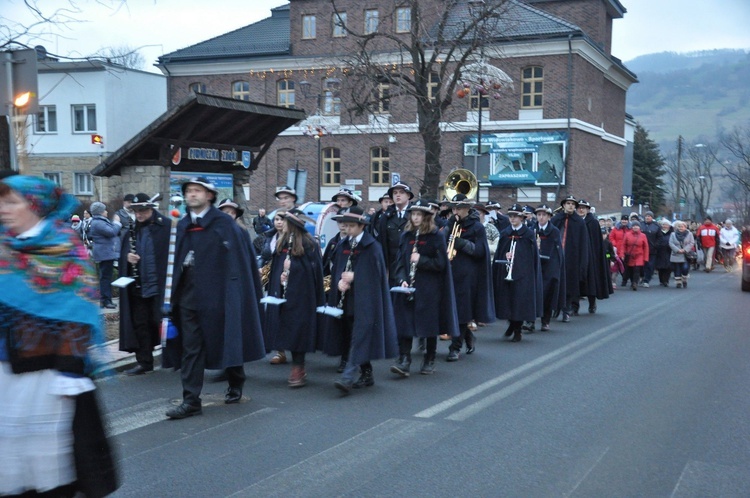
[[553, 265], [214, 303], [144, 253], [472, 274], [575, 241], [599, 281], [517, 275], [392, 224]]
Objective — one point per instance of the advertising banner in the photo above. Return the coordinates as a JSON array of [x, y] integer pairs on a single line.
[[523, 158], [222, 181]]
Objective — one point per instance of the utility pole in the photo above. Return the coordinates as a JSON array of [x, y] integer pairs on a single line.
[[679, 177]]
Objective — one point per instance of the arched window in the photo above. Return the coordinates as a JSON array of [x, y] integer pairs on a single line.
[[532, 85], [197, 87], [285, 93], [331, 174], [241, 90], [380, 169]]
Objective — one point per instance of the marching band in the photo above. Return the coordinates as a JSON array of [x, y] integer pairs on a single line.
[[421, 272]]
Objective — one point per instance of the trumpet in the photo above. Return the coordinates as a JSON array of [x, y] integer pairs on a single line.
[[455, 234], [511, 260]]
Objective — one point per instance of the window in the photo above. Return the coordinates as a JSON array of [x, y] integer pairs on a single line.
[[403, 20], [46, 119], [308, 27], [474, 101], [432, 84], [241, 90], [532, 82], [331, 174], [383, 98], [339, 24], [371, 21], [332, 97], [54, 177], [197, 87], [379, 166], [285, 93], [83, 184], [84, 117]]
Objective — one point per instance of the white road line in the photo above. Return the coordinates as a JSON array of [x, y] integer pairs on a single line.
[[464, 396], [136, 416], [586, 474]]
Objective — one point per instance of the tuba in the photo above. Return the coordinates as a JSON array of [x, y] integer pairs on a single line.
[[461, 181]]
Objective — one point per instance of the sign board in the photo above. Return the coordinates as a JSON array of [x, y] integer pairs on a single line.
[[627, 201], [353, 182], [395, 178], [222, 181]]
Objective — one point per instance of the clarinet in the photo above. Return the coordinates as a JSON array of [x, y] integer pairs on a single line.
[[286, 271], [347, 268], [134, 266], [413, 267]]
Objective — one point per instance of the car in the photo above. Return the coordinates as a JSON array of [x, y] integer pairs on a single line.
[[746, 260]]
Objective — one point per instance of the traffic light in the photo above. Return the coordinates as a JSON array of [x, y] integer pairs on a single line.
[[97, 139]]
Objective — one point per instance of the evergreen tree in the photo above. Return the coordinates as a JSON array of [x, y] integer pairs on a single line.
[[648, 171]]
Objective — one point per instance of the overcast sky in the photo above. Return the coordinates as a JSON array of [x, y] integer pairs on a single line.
[[163, 26]]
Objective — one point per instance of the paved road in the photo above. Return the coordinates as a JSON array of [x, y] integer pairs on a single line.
[[649, 397]]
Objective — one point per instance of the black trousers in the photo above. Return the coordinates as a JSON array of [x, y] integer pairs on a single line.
[[466, 335], [405, 345], [146, 319], [194, 359], [105, 280]]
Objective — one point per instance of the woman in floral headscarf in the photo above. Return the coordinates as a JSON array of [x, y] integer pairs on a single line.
[[51, 434]]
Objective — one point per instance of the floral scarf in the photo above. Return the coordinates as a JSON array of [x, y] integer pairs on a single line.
[[47, 279]]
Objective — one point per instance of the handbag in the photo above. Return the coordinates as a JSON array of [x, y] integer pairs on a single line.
[[691, 256]]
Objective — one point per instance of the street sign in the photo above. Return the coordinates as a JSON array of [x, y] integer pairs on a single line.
[[97, 139]]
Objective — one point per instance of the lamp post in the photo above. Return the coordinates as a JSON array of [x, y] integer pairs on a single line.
[[315, 128]]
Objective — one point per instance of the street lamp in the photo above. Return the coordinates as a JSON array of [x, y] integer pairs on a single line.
[[314, 127]]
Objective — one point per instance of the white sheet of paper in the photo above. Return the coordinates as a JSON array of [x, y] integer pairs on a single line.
[[330, 311], [403, 290], [123, 282], [272, 300]]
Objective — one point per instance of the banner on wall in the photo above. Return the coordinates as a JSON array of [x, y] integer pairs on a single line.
[[522, 158], [222, 181]]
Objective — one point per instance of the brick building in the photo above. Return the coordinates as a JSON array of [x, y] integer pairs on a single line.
[[560, 129]]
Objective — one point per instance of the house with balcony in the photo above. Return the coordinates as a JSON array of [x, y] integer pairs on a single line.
[[87, 110], [556, 125]]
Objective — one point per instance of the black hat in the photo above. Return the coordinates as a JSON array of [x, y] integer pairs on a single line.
[[402, 186], [354, 214], [141, 200], [286, 190], [544, 208], [460, 200], [230, 203], [515, 209], [585, 203], [494, 205], [421, 205], [528, 209], [128, 197], [384, 196], [481, 207], [569, 198], [203, 182], [345, 192], [624, 217], [297, 218]]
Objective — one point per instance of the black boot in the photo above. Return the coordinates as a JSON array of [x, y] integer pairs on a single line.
[[428, 364], [402, 367], [365, 378], [516, 336], [342, 366], [470, 340]]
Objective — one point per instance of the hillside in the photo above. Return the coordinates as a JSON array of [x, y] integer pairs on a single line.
[[693, 94]]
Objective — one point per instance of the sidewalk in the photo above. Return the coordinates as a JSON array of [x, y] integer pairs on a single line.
[[116, 359]]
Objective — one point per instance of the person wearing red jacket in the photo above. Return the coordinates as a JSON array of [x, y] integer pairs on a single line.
[[707, 235], [617, 237], [635, 254]]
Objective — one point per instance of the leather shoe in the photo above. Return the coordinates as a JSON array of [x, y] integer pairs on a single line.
[[109, 306], [545, 327], [566, 317], [452, 355], [139, 370], [516, 336], [343, 385], [341, 367], [185, 410], [233, 395]]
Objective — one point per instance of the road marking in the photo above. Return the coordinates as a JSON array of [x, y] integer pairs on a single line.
[[352, 462], [136, 416], [586, 474], [621, 325]]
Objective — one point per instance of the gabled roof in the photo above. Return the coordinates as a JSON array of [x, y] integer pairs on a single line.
[[516, 21], [203, 121], [269, 36]]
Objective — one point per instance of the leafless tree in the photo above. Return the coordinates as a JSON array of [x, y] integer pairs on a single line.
[[428, 63], [737, 143], [124, 55], [700, 175]]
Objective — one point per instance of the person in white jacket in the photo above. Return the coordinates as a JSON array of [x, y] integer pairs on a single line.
[[729, 239]]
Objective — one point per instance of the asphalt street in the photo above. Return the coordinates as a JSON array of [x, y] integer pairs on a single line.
[[647, 397]]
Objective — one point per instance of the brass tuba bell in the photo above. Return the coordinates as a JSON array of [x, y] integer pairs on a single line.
[[461, 181]]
